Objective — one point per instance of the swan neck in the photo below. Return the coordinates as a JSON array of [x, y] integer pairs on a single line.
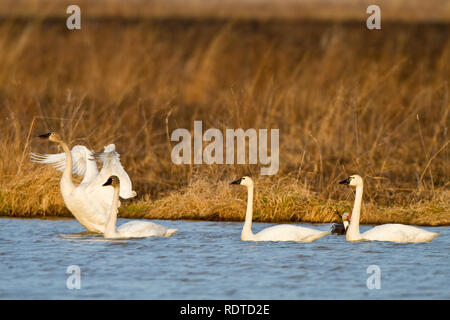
[[110, 229], [67, 174], [247, 229], [345, 223], [353, 229]]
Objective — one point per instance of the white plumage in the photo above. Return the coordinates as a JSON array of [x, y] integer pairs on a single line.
[[89, 202], [84, 165], [282, 232], [132, 229], [385, 232]]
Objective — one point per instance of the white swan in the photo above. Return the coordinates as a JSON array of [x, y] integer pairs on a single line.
[[341, 228], [282, 232], [385, 232], [133, 229], [89, 202], [84, 165]]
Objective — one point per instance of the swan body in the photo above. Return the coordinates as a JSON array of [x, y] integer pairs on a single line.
[[398, 233], [341, 229], [286, 232], [132, 229], [282, 232], [386, 232], [141, 229], [89, 202]]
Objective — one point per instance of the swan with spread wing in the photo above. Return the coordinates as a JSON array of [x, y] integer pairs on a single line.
[[89, 202]]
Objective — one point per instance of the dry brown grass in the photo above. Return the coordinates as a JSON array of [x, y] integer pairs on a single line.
[[277, 202], [346, 100], [430, 11]]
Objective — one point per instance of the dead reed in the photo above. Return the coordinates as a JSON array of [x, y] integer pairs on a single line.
[[346, 100]]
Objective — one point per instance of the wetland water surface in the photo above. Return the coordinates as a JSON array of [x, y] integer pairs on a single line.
[[207, 260]]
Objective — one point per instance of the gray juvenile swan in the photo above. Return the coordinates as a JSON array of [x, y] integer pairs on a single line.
[[341, 228]]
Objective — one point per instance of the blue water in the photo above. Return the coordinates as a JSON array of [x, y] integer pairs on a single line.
[[207, 260]]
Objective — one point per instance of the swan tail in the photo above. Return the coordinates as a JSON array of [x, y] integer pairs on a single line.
[[171, 232], [318, 236], [128, 195], [434, 235]]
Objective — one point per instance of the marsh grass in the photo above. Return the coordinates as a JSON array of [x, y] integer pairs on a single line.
[[346, 100], [277, 203]]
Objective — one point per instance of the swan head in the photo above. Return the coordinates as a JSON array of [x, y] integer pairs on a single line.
[[51, 136], [112, 181], [245, 181], [353, 180]]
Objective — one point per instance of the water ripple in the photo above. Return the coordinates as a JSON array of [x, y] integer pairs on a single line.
[[207, 260]]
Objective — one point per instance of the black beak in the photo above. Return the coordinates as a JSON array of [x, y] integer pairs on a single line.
[[346, 181], [108, 182], [45, 136], [238, 181]]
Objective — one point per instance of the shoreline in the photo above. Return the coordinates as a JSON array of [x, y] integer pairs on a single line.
[[61, 217], [151, 211]]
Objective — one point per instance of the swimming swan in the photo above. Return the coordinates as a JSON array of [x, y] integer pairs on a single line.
[[341, 228], [282, 232], [89, 202], [133, 229], [385, 232]]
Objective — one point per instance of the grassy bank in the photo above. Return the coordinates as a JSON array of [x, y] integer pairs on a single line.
[[346, 100], [283, 200]]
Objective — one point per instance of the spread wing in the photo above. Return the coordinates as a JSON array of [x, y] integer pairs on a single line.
[[83, 162], [112, 166]]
